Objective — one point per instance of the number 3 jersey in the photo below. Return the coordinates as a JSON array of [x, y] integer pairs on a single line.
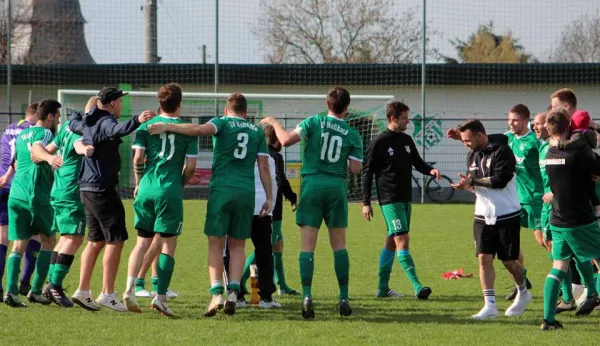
[[329, 143], [237, 143], [165, 158]]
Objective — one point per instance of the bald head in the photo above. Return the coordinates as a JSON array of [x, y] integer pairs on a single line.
[[539, 126]]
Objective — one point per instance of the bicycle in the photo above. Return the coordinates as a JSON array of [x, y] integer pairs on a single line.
[[437, 190]]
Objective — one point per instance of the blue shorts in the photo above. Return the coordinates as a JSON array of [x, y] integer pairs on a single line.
[[4, 207]]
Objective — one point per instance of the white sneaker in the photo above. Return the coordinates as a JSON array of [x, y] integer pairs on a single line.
[[111, 301], [143, 294], [229, 308], [160, 305], [241, 303], [84, 299], [213, 306], [519, 305], [131, 303], [170, 294], [486, 313], [269, 304], [388, 294]]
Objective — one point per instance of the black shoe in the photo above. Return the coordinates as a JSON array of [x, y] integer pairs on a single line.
[[345, 309], [57, 295], [13, 301], [38, 299], [308, 311], [546, 326], [563, 306], [424, 293], [1, 295], [587, 306], [528, 284], [24, 288], [512, 294]]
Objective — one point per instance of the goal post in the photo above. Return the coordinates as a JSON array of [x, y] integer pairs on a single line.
[[366, 113]]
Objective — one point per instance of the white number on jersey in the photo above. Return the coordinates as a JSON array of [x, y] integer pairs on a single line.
[[332, 148], [397, 224], [11, 143], [242, 149], [171, 138]]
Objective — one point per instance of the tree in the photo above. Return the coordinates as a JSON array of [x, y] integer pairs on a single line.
[[340, 31], [484, 46], [580, 41]]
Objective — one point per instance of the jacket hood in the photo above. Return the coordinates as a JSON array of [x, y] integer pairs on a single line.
[[496, 140], [95, 114]]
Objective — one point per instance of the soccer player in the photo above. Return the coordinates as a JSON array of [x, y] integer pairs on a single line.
[[158, 205], [390, 158], [575, 232], [330, 144], [237, 145], [98, 180], [496, 228], [9, 137], [29, 202]]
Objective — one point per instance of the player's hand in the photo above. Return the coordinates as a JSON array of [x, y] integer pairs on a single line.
[[367, 212], [56, 162], [35, 159], [453, 134], [294, 206], [464, 183], [547, 197], [135, 191], [145, 116], [269, 120], [157, 129], [553, 142], [3, 180], [266, 209], [89, 150], [435, 173]]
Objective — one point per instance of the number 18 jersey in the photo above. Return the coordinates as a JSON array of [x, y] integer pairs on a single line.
[[237, 143], [330, 142], [165, 157]]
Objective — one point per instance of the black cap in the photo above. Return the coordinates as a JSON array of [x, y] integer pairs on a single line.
[[109, 94]]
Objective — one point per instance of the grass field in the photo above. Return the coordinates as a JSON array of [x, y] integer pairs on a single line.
[[441, 241]]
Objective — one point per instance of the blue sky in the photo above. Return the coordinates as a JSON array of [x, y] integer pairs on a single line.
[[115, 29]]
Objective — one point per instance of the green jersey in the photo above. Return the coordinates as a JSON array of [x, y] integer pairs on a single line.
[[529, 179], [544, 146], [165, 158], [237, 143], [66, 178], [33, 181], [330, 142]]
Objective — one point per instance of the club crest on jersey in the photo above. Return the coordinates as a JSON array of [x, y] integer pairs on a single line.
[[407, 148], [390, 151]]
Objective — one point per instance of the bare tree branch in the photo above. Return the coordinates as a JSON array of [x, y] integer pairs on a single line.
[[580, 41]]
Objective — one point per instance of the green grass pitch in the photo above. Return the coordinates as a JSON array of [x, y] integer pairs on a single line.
[[441, 240]]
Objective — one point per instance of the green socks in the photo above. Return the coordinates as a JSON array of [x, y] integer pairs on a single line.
[[12, 273], [41, 271], [307, 267], [551, 287], [386, 262], [166, 264], [246, 274], [586, 270], [567, 290], [216, 288], [341, 262], [278, 270], [61, 268], [140, 284], [406, 261], [52, 263]]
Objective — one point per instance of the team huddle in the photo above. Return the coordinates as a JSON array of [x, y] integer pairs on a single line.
[[539, 178]]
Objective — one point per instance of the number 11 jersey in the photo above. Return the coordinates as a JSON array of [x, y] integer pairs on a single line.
[[237, 143], [329, 143], [165, 158]]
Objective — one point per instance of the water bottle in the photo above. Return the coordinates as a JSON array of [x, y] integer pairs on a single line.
[[254, 297]]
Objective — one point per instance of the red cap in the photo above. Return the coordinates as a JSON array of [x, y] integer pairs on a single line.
[[580, 120]]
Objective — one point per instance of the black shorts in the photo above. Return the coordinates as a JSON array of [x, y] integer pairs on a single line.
[[105, 216], [502, 239]]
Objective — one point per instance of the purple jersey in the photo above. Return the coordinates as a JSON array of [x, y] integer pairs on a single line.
[[9, 137]]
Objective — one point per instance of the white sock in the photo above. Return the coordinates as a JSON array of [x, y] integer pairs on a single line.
[[523, 287], [215, 283], [490, 297], [130, 284]]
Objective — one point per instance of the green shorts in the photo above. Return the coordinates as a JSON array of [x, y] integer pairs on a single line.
[[229, 212], [545, 220], [531, 216], [323, 198], [25, 221], [69, 217], [582, 242], [276, 234], [397, 218], [157, 214]]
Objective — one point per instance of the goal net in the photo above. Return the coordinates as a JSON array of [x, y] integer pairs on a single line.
[[366, 114]]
